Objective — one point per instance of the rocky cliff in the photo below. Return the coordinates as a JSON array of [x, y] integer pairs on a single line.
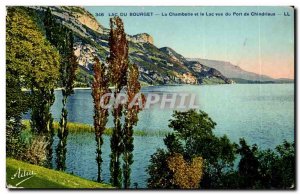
[[156, 66], [141, 38]]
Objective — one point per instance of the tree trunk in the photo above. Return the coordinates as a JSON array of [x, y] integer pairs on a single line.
[[116, 145], [62, 135], [98, 158]]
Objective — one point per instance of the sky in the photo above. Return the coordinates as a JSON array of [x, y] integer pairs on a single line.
[[260, 44]]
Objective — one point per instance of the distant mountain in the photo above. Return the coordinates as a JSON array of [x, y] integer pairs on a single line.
[[232, 71], [237, 74], [284, 80], [156, 66], [205, 74]]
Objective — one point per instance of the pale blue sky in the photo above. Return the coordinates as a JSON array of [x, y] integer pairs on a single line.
[[262, 44]]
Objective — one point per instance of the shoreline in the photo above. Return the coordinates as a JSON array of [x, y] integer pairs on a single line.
[[89, 88], [76, 127]]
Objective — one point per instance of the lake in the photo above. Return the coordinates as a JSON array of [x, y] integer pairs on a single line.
[[261, 113]]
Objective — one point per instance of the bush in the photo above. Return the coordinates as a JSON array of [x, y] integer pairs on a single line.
[[160, 175], [36, 152], [14, 145], [187, 175], [26, 146]]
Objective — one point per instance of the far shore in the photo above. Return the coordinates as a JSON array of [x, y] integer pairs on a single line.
[[111, 87], [89, 88], [79, 88]]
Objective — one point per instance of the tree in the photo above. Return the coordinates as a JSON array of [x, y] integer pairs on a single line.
[[187, 175], [195, 131], [132, 109], [170, 170], [285, 166], [17, 101], [62, 38], [160, 175], [68, 69], [100, 87], [51, 28], [122, 76], [266, 169], [248, 167], [41, 117], [277, 167], [36, 64], [117, 64], [193, 137]]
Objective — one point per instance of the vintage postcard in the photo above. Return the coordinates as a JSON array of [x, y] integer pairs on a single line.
[[160, 97]]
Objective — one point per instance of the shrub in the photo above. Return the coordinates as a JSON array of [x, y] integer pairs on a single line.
[[187, 175], [36, 152]]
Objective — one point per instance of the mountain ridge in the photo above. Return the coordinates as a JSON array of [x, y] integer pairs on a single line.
[[156, 65]]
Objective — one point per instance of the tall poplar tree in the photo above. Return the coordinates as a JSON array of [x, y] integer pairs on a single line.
[[100, 87], [118, 64], [133, 106], [62, 38], [67, 76]]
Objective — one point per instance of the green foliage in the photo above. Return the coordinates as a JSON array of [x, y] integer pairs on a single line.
[[62, 38], [194, 130], [160, 176], [41, 117], [27, 146], [248, 165], [17, 101], [84, 128], [212, 81], [31, 57], [193, 137], [266, 169], [29, 52], [285, 165], [14, 144], [83, 78]]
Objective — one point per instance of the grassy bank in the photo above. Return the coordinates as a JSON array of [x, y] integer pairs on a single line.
[[81, 127], [45, 178]]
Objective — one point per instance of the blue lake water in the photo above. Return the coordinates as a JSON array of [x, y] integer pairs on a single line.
[[261, 113]]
